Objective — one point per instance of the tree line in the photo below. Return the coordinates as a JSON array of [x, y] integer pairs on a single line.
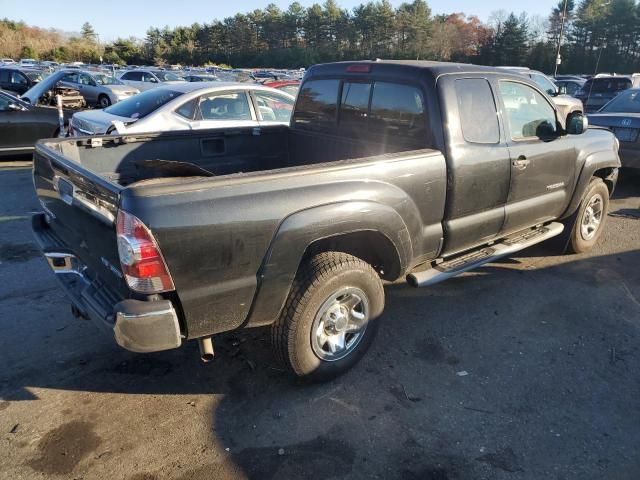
[[597, 34]]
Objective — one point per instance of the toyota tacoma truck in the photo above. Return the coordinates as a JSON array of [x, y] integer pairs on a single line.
[[388, 170]]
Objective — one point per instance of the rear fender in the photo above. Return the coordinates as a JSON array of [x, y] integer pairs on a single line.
[[303, 229]]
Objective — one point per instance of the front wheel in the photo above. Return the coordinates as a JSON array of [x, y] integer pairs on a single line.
[[330, 318], [104, 101], [591, 218]]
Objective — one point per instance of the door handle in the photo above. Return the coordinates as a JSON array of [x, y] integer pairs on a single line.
[[521, 163]]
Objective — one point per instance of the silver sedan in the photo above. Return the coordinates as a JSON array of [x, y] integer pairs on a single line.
[[189, 106], [98, 89]]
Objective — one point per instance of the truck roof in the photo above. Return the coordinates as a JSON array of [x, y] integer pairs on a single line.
[[433, 68]]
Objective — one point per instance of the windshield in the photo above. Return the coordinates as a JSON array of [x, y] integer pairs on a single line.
[[142, 104], [34, 76], [167, 76], [627, 102], [102, 79]]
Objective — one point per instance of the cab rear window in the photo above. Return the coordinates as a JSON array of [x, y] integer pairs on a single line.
[[317, 105], [388, 112]]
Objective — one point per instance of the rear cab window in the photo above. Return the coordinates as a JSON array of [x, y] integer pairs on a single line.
[[317, 105], [385, 111]]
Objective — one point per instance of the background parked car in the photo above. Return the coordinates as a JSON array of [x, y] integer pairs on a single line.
[[18, 80], [22, 124], [189, 106], [97, 88], [289, 86], [600, 90], [147, 79], [567, 106], [622, 116], [570, 86], [200, 78]]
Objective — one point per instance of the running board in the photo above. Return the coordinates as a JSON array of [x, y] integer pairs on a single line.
[[477, 258]]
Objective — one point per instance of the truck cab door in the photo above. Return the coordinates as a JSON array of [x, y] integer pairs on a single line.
[[477, 162], [542, 161]]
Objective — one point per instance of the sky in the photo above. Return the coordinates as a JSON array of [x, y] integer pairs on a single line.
[[134, 17]]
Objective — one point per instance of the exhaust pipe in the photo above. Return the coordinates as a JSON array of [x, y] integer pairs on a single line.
[[206, 349]]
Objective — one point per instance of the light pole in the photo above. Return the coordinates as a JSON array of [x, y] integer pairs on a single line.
[[564, 18]]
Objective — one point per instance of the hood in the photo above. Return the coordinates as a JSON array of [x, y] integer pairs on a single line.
[[95, 122], [121, 89], [566, 101]]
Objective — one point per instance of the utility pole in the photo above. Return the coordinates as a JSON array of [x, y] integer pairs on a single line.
[[564, 18]]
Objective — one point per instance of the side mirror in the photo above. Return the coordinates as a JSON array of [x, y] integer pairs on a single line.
[[578, 124], [15, 107], [153, 80], [562, 90]]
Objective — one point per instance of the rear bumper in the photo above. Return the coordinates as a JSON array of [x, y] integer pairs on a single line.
[[139, 326]]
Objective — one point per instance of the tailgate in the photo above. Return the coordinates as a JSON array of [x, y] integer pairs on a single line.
[[81, 208]]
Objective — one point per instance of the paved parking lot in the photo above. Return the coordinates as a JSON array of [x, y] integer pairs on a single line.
[[526, 369]]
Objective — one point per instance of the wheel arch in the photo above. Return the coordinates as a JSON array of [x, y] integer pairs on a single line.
[[601, 165], [367, 230]]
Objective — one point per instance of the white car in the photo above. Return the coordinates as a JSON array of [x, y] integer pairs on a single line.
[[146, 79], [188, 106]]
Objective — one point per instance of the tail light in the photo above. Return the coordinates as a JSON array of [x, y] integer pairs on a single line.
[[142, 263]]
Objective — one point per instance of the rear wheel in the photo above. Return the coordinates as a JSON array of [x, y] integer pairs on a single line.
[[330, 318], [591, 218], [103, 101]]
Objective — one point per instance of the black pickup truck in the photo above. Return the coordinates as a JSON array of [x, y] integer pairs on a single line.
[[388, 170]]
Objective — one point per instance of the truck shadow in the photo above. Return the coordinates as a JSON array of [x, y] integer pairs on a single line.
[[462, 380]]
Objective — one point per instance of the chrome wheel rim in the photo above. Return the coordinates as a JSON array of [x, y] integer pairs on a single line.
[[592, 217], [340, 324]]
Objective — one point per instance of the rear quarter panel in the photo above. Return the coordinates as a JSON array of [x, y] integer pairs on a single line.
[[215, 234]]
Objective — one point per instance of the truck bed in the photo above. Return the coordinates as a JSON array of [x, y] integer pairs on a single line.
[[218, 201], [131, 159]]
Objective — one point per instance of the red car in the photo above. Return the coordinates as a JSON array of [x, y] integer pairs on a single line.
[[289, 86]]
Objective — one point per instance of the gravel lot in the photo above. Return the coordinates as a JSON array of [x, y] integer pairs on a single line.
[[526, 369]]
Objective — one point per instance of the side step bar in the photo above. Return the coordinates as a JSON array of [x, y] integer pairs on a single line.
[[487, 254]]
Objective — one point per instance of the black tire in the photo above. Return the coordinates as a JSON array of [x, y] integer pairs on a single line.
[[323, 279], [104, 101], [583, 239]]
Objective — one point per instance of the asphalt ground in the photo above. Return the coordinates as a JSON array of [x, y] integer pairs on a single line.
[[525, 369]]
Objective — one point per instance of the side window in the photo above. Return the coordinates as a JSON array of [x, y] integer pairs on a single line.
[[126, 76], [187, 110], [528, 112], [71, 78], [273, 107], [477, 109], [317, 104], [354, 106], [4, 76], [85, 79], [135, 76], [147, 77], [398, 112], [225, 106]]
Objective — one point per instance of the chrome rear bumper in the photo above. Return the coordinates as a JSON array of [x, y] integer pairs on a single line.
[[139, 326]]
